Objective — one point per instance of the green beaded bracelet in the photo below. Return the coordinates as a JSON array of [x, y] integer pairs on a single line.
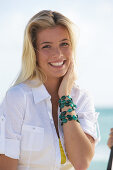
[[69, 102], [69, 118]]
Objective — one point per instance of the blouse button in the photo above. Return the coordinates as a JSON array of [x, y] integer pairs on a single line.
[[2, 118]]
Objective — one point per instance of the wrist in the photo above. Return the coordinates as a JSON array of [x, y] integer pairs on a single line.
[[67, 109], [64, 94]]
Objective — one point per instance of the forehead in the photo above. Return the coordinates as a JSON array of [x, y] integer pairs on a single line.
[[52, 34]]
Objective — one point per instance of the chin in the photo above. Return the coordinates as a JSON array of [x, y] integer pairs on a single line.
[[56, 74], [60, 75]]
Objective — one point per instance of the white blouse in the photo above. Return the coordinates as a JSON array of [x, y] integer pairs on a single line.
[[27, 130]]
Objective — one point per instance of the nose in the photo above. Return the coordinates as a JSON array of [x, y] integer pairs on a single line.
[[57, 53]]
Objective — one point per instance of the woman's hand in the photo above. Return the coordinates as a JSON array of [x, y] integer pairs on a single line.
[[67, 81], [110, 140]]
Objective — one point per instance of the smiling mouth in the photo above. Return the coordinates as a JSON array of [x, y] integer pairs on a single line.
[[56, 64]]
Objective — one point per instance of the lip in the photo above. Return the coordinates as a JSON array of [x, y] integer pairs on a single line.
[[58, 61], [58, 67]]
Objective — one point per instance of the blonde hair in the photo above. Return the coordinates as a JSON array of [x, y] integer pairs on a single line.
[[42, 20]]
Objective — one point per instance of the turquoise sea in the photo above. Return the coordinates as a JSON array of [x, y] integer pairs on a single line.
[[102, 151]]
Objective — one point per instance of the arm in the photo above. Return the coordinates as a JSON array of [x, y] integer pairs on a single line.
[[11, 118], [79, 146], [7, 163]]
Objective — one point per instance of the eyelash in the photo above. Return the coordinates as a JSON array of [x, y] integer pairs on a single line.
[[62, 44], [65, 44], [46, 46]]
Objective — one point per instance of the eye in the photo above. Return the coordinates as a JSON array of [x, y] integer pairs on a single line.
[[46, 46], [64, 44]]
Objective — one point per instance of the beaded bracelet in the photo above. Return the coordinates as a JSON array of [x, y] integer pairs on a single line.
[[69, 118], [63, 102]]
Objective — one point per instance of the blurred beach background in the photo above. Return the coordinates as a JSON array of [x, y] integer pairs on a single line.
[[94, 53]]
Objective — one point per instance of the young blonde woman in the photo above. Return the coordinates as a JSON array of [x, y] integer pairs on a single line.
[[47, 122]]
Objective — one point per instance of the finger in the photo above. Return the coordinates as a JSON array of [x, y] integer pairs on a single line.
[[73, 60], [73, 69], [71, 66]]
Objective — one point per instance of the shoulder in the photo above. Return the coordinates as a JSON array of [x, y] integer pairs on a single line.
[[82, 98], [16, 95], [14, 101], [18, 91], [85, 110], [80, 94]]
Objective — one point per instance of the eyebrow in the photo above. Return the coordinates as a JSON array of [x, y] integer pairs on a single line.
[[47, 42], [65, 39]]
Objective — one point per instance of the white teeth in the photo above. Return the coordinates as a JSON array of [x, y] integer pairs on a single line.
[[57, 64]]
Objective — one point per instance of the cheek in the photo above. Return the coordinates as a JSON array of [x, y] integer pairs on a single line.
[[41, 60], [69, 57], [68, 53]]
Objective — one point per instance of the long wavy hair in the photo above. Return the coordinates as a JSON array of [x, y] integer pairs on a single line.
[[42, 20]]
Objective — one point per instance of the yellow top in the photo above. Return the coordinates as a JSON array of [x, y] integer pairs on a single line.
[[63, 157]]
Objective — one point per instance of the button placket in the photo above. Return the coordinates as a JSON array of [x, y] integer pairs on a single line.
[[49, 109], [56, 140]]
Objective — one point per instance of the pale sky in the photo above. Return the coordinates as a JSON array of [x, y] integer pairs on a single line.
[[95, 46]]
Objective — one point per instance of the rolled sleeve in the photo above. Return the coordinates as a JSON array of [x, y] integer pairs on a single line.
[[89, 126], [87, 115], [11, 118], [12, 148]]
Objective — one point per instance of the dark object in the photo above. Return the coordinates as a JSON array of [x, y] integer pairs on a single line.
[[110, 159]]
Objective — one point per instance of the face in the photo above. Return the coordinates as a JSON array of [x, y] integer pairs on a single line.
[[54, 51]]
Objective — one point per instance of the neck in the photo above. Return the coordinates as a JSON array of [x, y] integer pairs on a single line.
[[52, 86]]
